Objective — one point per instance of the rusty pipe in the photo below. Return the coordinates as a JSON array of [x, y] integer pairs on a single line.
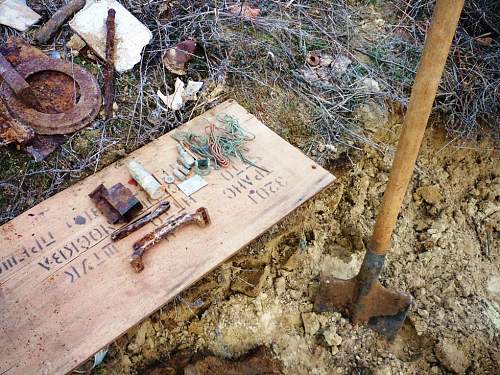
[[17, 83]]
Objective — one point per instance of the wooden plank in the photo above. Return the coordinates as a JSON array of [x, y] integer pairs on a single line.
[[66, 291]]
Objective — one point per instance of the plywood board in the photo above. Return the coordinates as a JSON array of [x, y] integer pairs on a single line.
[[66, 291]]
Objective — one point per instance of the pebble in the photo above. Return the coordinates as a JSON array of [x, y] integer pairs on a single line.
[[331, 337], [452, 357], [311, 323]]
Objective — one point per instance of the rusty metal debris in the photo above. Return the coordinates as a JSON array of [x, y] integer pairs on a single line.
[[75, 118], [42, 146], [199, 217], [139, 223], [109, 70], [117, 204], [11, 130], [176, 59], [18, 84], [47, 31], [244, 11], [313, 58], [56, 93], [364, 299]]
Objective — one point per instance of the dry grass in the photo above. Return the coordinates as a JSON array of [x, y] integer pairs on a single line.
[[250, 60]]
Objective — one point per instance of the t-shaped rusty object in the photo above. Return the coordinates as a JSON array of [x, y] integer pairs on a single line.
[[17, 83], [200, 217]]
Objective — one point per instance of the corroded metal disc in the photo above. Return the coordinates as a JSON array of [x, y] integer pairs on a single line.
[[76, 118]]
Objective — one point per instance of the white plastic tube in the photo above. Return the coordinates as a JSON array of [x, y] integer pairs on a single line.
[[145, 179]]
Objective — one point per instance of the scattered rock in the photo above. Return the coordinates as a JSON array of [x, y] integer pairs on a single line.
[[311, 323], [340, 64], [452, 357], [430, 194], [244, 11], [16, 14], [371, 115], [369, 85], [250, 282], [331, 337], [493, 288], [75, 43], [260, 362]]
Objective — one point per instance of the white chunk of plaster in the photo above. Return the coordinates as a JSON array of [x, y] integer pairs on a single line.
[[130, 36], [16, 14]]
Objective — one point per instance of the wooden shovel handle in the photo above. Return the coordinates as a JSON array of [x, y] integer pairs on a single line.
[[437, 45]]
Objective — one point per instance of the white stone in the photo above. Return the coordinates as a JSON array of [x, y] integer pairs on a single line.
[[131, 36], [331, 337], [493, 288], [369, 85], [16, 14]]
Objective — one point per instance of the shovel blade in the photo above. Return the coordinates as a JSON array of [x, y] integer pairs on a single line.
[[383, 310]]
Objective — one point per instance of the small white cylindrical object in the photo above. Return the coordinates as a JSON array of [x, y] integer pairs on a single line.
[[145, 179]]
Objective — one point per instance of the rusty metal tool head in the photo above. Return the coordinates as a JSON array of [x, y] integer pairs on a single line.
[[139, 223], [76, 118], [363, 298], [200, 217]]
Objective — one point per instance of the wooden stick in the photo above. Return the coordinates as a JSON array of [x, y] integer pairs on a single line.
[[47, 31], [437, 45]]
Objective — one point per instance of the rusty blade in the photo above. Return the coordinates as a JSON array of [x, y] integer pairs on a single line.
[[139, 223]]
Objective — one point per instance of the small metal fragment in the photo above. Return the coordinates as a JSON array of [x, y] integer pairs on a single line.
[[139, 223], [109, 69], [192, 185], [145, 179], [169, 179], [313, 58], [184, 171], [202, 166], [186, 158], [179, 175], [199, 217], [184, 163], [176, 59], [117, 204], [12, 130]]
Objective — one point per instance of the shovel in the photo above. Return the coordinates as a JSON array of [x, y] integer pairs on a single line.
[[363, 298]]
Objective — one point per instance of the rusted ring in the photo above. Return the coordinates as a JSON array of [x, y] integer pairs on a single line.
[[79, 116]]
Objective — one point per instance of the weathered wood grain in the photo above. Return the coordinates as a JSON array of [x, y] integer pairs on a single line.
[[66, 290]]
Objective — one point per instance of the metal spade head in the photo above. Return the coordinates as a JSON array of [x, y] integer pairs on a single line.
[[364, 299]]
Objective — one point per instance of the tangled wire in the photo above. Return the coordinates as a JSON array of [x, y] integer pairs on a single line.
[[219, 144]]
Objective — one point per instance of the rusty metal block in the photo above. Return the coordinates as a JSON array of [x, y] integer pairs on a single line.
[[117, 204]]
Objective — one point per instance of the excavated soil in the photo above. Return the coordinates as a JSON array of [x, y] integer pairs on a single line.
[[444, 252]]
